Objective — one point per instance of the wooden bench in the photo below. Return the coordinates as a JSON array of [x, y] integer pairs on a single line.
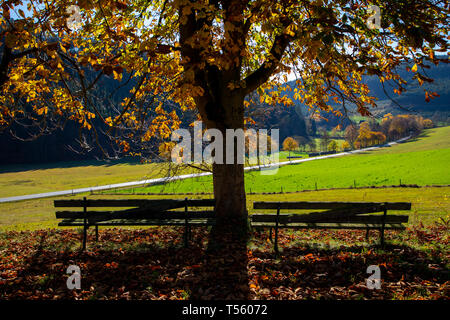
[[338, 215], [140, 212]]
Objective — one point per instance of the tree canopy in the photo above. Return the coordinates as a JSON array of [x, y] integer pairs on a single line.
[[180, 50], [207, 56]]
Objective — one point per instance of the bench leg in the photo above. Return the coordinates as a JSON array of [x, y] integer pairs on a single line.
[[270, 234], [276, 242], [84, 237], [96, 233], [382, 228], [367, 234]]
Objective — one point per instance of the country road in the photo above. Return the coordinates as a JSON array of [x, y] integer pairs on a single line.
[[181, 177]]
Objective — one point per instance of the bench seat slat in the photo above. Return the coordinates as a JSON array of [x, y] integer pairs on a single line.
[[175, 203], [394, 226], [139, 222], [293, 218], [133, 214]]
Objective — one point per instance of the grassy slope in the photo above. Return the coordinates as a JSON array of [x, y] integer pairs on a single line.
[[422, 161]]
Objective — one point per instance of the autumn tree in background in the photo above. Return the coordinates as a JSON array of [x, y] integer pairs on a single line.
[[377, 137], [312, 145], [333, 146], [351, 134], [290, 144], [324, 140], [253, 144], [302, 142], [364, 134], [345, 145], [399, 126], [428, 124], [207, 56]]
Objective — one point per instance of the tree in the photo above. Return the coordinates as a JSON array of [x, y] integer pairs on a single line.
[[312, 145], [427, 124], [398, 127], [253, 144], [345, 145], [302, 142], [351, 134], [206, 56], [289, 144], [377, 137], [324, 140], [364, 134], [333, 146]]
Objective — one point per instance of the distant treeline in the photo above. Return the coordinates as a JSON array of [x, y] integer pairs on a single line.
[[60, 145]]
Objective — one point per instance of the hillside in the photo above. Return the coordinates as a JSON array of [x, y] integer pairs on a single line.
[[411, 101]]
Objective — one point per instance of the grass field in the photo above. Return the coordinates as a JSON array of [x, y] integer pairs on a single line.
[[421, 161], [429, 204], [16, 180], [29, 179]]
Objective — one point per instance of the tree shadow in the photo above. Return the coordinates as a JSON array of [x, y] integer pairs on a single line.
[[144, 265], [10, 168]]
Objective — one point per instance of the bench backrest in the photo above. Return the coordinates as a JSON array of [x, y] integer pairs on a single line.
[[110, 203], [343, 212], [302, 205], [140, 208]]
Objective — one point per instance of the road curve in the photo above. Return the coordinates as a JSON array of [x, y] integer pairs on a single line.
[[181, 177]]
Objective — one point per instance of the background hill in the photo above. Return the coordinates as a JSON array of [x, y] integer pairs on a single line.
[[411, 101]]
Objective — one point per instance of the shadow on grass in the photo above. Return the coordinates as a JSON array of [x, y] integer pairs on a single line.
[[67, 164]]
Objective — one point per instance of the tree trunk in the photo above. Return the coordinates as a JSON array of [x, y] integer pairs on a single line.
[[229, 192], [228, 179]]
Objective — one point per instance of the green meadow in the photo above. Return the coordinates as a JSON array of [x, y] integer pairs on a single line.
[[421, 161]]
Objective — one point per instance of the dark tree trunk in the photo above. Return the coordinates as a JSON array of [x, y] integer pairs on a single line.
[[229, 192], [228, 179]]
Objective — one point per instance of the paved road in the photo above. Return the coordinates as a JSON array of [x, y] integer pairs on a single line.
[[182, 177]]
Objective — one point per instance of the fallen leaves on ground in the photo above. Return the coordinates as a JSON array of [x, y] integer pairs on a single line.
[[153, 264]]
